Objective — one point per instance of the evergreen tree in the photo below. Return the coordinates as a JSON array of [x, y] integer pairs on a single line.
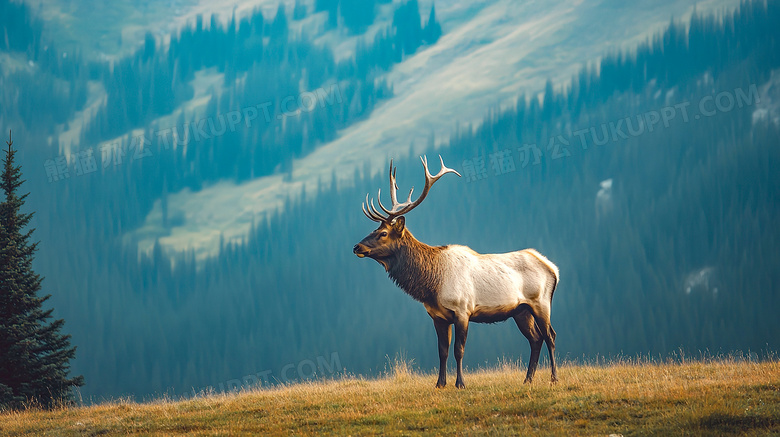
[[432, 30], [33, 354]]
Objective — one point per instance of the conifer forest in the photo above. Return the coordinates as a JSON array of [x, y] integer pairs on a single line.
[[648, 173]]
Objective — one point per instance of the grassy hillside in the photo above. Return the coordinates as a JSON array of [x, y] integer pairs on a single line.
[[722, 397]]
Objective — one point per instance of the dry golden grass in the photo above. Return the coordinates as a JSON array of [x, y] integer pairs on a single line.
[[698, 398]]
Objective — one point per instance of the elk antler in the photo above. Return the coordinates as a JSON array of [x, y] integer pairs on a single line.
[[399, 209]]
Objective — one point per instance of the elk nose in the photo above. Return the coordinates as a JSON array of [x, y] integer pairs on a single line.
[[355, 249]]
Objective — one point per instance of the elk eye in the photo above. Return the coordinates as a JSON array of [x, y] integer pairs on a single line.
[[383, 234]]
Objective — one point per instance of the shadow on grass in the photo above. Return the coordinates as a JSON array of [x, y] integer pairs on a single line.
[[738, 424]]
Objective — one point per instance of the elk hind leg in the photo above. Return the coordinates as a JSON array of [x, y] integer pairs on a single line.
[[548, 334], [526, 323]]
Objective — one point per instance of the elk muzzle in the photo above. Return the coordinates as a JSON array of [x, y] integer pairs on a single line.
[[360, 250]]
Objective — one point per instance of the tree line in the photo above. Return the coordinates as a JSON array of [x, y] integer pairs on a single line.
[[688, 198]]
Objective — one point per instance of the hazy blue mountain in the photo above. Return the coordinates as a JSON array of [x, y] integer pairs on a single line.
[[638, 156]]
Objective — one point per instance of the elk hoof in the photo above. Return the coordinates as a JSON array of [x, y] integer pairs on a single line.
[[441, 384], [554, 379], [528, 380], [460, 384]]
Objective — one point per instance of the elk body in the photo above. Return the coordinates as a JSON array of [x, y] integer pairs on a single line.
[[458, 285]]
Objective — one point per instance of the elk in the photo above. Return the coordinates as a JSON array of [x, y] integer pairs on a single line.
[[458, 285]]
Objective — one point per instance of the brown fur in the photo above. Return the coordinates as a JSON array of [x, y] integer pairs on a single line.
[[411, 264], [484, 316], [415, 268]]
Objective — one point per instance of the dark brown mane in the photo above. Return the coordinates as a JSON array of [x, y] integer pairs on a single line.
[[415, 269]]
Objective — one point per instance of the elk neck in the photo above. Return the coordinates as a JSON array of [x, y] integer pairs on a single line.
[[416, 267]]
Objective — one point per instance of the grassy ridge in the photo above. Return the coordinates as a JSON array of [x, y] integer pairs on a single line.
[[722, 397]]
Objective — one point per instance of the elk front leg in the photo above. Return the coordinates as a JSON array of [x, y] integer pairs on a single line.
[[443, 332], [461, 331]]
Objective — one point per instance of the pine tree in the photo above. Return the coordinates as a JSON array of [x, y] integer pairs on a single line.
[[34, 356], [432, 30]]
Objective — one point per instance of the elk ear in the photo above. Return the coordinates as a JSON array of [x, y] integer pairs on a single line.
[[399, 224]]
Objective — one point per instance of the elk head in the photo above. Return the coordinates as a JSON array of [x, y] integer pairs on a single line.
[[381, 244]]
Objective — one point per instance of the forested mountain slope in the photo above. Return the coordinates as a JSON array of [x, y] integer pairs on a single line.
[[678, 252]]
